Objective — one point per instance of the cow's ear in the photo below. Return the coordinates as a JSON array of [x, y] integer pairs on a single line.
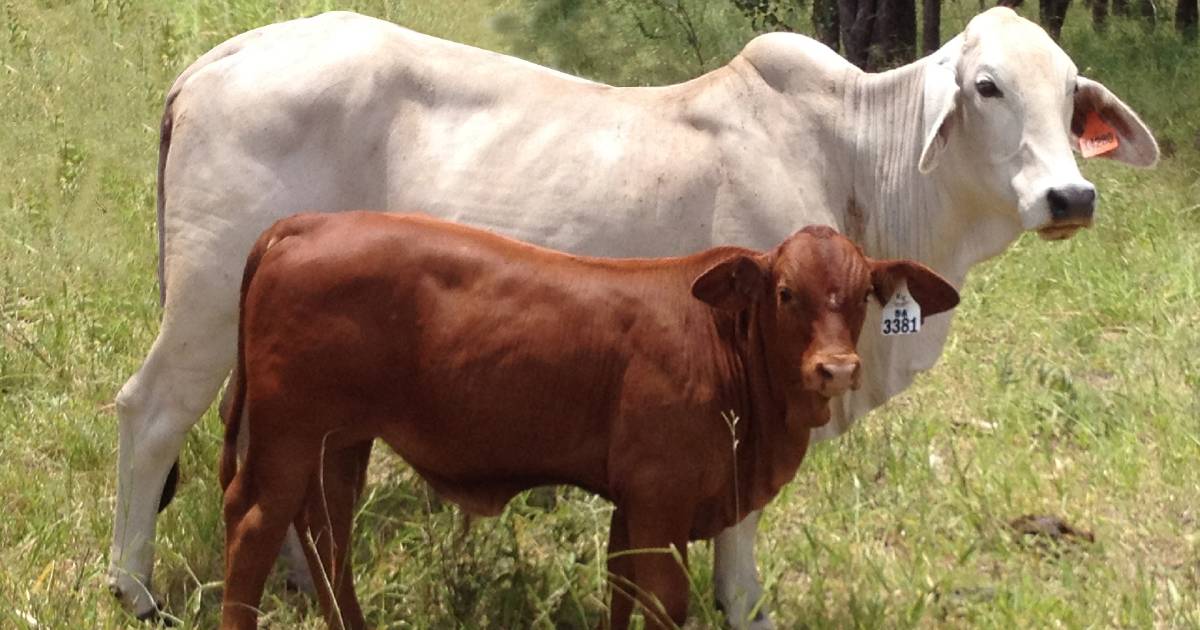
[[940, 103], [732, 284], [933, 292], [1135, 143]]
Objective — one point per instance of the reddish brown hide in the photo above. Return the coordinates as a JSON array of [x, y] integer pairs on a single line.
[[494, 366]]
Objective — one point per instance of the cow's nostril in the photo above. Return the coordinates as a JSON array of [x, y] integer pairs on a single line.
[[1058, 204]]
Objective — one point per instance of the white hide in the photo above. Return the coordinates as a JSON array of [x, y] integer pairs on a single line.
[[341, 111]]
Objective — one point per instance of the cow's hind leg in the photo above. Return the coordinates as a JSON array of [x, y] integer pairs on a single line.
[[326, 524], [266, 495], [157, 406], [735, 576]]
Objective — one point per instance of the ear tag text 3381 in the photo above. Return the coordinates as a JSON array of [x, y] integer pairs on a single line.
[[902, 314]]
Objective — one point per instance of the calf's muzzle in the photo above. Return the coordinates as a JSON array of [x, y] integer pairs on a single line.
[[833, 375]]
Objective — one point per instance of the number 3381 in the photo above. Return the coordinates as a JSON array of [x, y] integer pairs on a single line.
[[900, 323]]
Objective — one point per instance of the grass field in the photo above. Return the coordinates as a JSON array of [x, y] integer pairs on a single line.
[[1069, 386]]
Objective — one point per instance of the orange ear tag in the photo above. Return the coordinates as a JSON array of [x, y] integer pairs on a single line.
[[1098, 138]]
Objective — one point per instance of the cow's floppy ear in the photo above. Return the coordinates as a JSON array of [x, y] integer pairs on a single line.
[[732, 284], [940, 103], [933, 292], [1136, 145]]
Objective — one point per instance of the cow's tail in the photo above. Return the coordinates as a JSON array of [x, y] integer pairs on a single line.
[[164, 145], [166, 127], [237, 407]]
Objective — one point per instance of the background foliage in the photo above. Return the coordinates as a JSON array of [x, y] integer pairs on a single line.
[[1069, 386]]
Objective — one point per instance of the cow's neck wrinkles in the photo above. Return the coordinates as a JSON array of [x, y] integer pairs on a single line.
[[936, 218]]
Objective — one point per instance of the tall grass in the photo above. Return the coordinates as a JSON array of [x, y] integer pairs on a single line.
[[1069, 385]]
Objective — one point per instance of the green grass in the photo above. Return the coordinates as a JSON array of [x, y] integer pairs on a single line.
[[1069, 385]]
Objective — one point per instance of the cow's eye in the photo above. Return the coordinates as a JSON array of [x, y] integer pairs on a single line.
[[785, 295], [987, 88]]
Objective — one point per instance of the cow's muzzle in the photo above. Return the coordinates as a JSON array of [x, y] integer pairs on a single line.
[[1071, 210]]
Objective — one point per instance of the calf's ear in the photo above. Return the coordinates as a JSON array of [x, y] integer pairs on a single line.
[[1135, 143], [732, 284], [933, 292]]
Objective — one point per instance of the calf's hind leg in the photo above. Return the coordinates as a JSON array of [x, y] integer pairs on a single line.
[[266, 495], [328, 521], [295, 562]]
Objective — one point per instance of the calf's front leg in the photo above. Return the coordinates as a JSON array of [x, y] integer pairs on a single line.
[[620, 574], [660, 577]]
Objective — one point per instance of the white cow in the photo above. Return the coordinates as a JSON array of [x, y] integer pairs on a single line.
[[946, 160]]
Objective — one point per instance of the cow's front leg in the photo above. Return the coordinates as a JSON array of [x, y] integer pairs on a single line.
[[735, 577]]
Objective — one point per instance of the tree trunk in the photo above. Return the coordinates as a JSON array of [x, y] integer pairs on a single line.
[[1186, 18], [895, 38], [825, 22], [931, 25], [877, 34], [1054, 13], [1148, 11], [1100, 15], [857, 21]]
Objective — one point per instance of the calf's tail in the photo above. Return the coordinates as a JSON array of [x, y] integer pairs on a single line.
[[238, 406]]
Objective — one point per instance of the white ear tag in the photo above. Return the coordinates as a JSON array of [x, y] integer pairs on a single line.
[[902, 314]]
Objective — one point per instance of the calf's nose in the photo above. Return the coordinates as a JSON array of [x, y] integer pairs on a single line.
[[1072, 203], [838, 374]]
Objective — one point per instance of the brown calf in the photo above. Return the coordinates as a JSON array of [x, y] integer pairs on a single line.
[[493, 366]]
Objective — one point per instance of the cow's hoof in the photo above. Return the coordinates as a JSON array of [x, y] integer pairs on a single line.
[[158, 618], [301, 586], [759, 622], [153, 615]]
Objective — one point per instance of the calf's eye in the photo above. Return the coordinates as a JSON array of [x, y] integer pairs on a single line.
[[987, 88], [785, 295]]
